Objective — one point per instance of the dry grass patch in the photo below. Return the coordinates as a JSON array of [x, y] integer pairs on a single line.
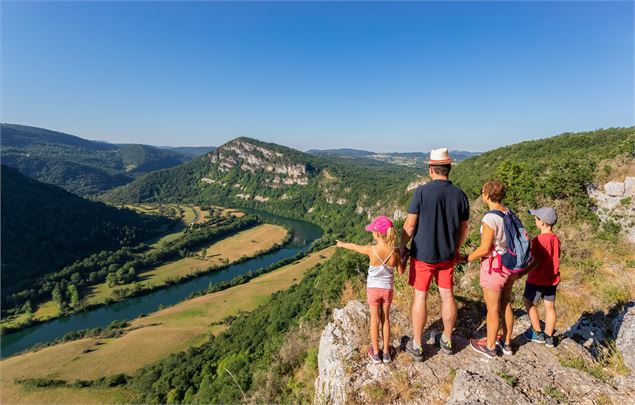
[[70, 396], [246, 243], [158, 334]]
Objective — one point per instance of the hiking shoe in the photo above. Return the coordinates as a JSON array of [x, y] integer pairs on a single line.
[[385, 356], [480, 346], [406, 343], [505, 348], [550, 341], [374, 356], [446, 347], [531, 335]]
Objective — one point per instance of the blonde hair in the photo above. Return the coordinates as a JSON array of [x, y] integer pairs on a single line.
[[390, 237]]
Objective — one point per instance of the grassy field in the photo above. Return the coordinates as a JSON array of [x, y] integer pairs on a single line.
[[245, 243], [43, 312], [158, 334]]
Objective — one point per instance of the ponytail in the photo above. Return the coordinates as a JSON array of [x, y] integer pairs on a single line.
[[390, 237]]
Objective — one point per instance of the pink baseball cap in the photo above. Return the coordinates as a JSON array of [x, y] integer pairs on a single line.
[[381, 224]]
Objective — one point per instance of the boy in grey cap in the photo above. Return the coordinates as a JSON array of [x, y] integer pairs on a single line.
[[544, 278]]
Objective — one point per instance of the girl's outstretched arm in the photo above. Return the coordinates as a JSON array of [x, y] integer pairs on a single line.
[[365, 250]]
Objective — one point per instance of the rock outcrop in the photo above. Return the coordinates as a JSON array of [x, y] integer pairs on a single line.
[[534, 374], [617, 203], [252, 157], [624, 333]]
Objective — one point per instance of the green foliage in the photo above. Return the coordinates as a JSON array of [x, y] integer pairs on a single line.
[[330, 179], [248, 344], [121, 267], [557, 168], [45, 228], [594, 369], [610, 231], [555, 393], [508, 378]]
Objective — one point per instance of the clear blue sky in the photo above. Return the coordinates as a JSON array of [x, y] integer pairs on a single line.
[[378, 76]]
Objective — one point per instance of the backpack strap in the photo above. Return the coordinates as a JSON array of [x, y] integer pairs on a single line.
[[496, 212]]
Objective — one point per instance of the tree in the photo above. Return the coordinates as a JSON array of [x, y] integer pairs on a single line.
[[73, 294]]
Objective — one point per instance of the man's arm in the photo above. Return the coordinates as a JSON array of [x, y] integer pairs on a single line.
[[461, 238], [408, 230]]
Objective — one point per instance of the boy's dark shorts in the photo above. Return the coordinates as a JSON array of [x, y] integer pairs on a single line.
[[534, 292]]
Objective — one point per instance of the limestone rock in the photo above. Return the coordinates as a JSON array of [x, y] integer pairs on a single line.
[[614, 189], [534, 374], [629, 187], [624, 333], [613, 205], [473, 388]]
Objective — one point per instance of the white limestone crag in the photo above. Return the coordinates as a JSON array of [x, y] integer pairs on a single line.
[[624, 333], [534, 374], [616, 203]]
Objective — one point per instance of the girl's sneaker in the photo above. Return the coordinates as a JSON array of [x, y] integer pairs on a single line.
[[480, 346], [374, 356], [550, 341], [532, 336], [505, 348], [386, 356]]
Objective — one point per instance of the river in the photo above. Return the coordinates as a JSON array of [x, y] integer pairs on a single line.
[[304, 233]]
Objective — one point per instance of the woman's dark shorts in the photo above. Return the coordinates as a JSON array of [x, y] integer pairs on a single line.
[[534, 292]]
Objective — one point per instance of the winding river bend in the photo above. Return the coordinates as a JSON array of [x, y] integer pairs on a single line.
[[304, 233]]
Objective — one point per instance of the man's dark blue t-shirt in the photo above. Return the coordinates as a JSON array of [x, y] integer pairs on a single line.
[[441, 207]]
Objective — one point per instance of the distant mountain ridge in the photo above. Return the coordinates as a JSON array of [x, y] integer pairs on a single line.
[[412, 159], [79, 165], [193, 151]]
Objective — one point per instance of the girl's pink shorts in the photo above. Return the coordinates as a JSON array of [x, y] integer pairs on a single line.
[[379, 296]]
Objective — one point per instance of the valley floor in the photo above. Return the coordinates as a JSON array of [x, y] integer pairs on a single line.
[[149, 339], [244, 244]]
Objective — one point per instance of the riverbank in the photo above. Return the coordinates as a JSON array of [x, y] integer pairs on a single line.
[[173, 329], [254, 242]]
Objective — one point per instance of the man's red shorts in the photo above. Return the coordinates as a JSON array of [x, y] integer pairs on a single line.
[[421, 274]]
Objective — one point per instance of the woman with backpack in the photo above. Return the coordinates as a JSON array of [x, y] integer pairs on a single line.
[[500, 266]]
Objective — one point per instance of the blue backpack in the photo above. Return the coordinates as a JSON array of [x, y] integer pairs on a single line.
[[518, 257]]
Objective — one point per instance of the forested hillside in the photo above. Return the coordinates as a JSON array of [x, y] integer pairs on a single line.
[[81, 166], [336, 193], [45, 228], [557, 168]]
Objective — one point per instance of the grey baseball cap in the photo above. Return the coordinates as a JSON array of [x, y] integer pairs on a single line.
[[547, 214]]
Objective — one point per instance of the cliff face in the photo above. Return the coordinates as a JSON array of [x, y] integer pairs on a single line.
[[249, 157], [534, 374]]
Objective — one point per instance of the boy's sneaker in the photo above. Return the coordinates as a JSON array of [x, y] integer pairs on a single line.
[[505, 348], [407, 345], [446, 347], [385, 356], [550, 341], [480, 346], [531, 335], [374, 356]]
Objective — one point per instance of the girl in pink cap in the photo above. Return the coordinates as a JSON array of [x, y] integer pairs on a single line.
[[384, 259]]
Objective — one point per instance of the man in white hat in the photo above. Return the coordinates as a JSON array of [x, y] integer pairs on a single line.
[[437, 224]]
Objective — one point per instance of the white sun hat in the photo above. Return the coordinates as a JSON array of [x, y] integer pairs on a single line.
[[439, 157]]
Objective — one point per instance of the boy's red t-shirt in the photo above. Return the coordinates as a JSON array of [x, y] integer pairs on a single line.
[[546, 249]]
